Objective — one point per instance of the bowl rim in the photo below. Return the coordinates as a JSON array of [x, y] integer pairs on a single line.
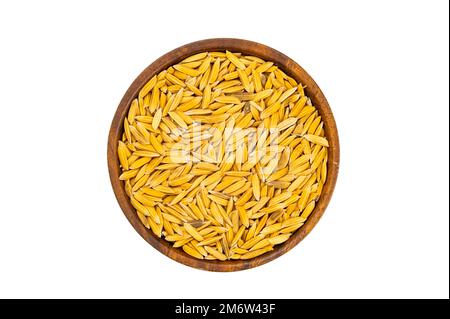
[[291, 68]]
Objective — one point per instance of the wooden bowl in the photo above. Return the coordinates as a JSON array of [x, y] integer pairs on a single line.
[[246, 47]]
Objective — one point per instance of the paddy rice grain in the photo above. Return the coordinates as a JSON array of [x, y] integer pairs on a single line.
[[223, 155]]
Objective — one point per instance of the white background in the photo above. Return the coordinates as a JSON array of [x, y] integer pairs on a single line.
[[383, 66]]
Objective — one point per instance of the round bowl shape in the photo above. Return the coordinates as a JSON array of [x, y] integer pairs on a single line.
[[292, 69]]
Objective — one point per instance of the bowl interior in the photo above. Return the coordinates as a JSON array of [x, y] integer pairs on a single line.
[[250, 48]]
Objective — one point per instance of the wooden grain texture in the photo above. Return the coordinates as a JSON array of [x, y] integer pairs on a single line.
[[251, 48]]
